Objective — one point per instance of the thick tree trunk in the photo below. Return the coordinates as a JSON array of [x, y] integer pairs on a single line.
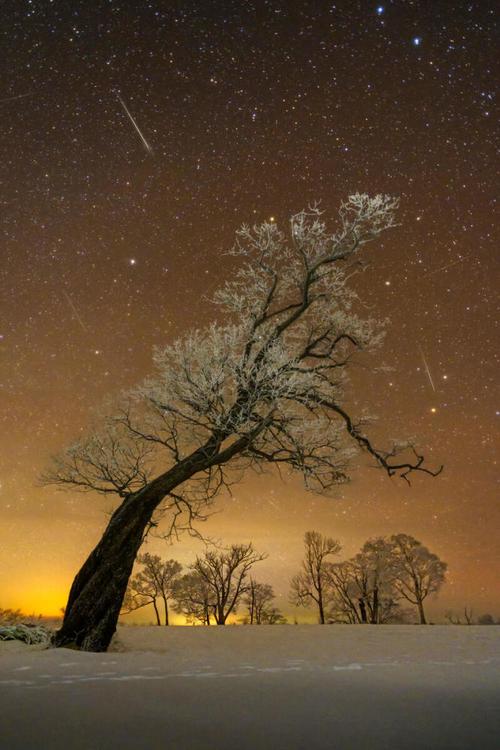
[[166, 610], [97, 592]]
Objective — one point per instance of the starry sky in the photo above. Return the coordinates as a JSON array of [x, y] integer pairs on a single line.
[[135, 138]]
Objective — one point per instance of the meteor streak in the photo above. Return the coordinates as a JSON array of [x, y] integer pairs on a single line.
[[449, 265], [146, 144], [427, 369], [75, 311], [13, 98]]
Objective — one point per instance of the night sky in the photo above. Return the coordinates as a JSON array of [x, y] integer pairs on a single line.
[[135, 138]]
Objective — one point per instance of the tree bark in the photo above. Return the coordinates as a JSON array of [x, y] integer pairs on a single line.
[[98, 589], [165, 601]]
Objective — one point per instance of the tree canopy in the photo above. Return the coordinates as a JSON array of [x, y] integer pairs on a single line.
[[267, 386]]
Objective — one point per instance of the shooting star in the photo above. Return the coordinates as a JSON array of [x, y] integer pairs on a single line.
[[13, 98], [146, 144], [449, 265], [427, 369], [75, 311]]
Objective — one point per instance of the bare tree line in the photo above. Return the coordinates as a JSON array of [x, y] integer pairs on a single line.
[[216, 584], [381, 584], [371, 587]]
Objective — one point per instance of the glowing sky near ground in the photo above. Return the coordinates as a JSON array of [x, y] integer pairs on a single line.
[[136, 137]]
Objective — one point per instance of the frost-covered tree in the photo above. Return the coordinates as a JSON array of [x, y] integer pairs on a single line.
[[361, 590], [417, 572], [225, 573], [311, 584], [266, 386], [372, 576], [154, 583]]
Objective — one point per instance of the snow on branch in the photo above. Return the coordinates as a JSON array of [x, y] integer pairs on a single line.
[[266, 386]]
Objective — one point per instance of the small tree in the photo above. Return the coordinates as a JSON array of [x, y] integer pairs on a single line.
[[225, 575], [273, 616], [257, 600], [312, 582], [154, 582], [194, 598], [416, 572]]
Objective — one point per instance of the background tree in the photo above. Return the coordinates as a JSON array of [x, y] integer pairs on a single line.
[[372, 576], [469, 615], [417, 572], [266, 386], [311, 584], [341, 593], [225, 574], [273, 616], [257, 600], [153, 583], [194, 598]]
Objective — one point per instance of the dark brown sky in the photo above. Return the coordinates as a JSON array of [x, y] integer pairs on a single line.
[[250, 110]]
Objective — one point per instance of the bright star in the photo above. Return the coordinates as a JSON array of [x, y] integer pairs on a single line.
[[132, 261], [417, 40], [380, 10]]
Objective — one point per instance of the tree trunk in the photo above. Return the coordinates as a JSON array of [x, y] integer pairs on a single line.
[[321, 611], [362, 609], [166, 610], [97, 592], [158, 621], [99, 587], [375, 619], [421, 612]]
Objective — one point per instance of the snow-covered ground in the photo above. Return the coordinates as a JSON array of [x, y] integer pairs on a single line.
[[304, 687]]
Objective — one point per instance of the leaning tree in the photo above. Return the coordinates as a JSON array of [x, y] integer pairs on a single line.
[[265, 386]]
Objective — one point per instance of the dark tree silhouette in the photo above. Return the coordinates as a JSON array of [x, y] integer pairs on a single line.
[[311, 584], [194, 598], [257, 600], [154, 582], [225, 574], [267, 386]]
